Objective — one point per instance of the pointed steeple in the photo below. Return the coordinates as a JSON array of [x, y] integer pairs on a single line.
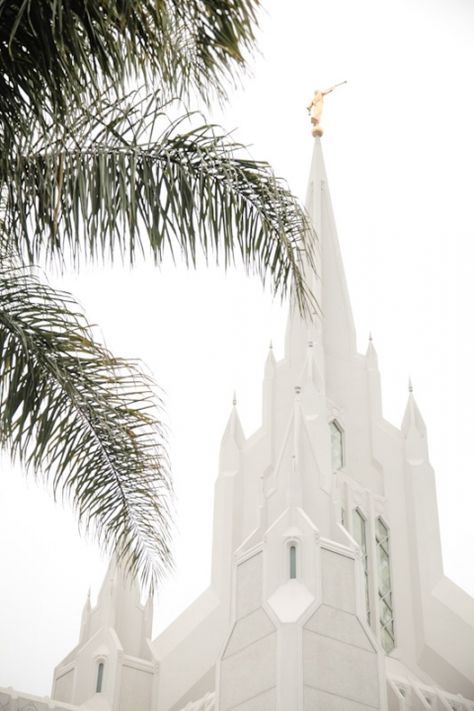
[[414, 431], [329, 283], [373, 381], [270, 362], [227, 502], [337, 322], [232, 441], [413, 422], [268, 395], [371, 354], [119, 593]]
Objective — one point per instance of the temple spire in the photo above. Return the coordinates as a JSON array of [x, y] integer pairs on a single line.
[[337, 321], [334, 322], [270, 362], [371, 353], [231, 442], [413, 422]]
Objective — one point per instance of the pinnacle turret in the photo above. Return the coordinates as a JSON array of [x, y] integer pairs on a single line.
[[270, 362], [373, 380], [371, 353], [232, 441], [414, 431], [412, 422], [333, 323]]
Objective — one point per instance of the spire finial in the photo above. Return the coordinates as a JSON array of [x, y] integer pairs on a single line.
[[370, 337], [234, 399], [315, 108], [297, 390], [410, 386], [271, 345]]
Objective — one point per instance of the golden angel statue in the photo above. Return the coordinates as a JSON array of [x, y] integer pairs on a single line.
[[315, 108]]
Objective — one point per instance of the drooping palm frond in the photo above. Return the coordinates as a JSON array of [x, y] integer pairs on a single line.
[[84, 419], [112, 185], [53, 53]]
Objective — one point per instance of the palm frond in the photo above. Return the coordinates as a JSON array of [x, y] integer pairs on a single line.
[[85, 420], [54, 53], [112, 185]]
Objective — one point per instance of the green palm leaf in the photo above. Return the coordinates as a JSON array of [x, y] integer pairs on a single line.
[[54, 53], [112, 184], [84, 419], [87, 174]]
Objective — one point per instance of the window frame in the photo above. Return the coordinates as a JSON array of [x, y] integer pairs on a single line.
[[366, 566], [99, 675], [293, 562], [290, 561], [334, 424], [384, 599]]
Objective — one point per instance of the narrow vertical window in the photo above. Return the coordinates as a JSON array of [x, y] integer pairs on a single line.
[[337, 445], [100, 677], [292, 561], [387, 631], [360, 535]]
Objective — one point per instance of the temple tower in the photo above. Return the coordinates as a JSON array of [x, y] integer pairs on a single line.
[[327, 590], [112, 666], [300, 636]]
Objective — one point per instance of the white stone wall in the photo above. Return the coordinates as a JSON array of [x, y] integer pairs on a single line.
[[248, 670], [136, 687]]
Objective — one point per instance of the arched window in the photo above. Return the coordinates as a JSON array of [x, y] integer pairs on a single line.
[[100, 677], [337, 445], [360, 535], [292, 561], [387, 631]]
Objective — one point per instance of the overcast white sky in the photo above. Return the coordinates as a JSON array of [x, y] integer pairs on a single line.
[[399, 151]]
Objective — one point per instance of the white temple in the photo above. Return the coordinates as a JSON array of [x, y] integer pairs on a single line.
[[327, 589]]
